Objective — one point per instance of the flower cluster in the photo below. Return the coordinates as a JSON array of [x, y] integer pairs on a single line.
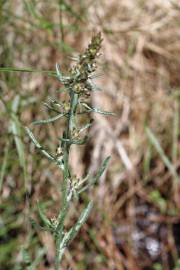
[[86, 65]]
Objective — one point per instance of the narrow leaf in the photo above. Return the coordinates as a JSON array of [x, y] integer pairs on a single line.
[[96, 110], [43, 217], [50, 120], [69, 236], [88, 125], [31, 135], [15, 69], [37, 144], [96, 178], [102, 169], [59, 74], [37, 226]]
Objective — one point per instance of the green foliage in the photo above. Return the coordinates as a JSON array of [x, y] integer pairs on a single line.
[[157, 266], [158, 200], [78, 86], [162, 154], [177, 266]]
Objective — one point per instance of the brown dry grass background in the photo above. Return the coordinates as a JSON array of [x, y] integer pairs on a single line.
[[135, 222]]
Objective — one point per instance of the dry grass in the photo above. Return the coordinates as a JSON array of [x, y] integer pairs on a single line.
[[136, 216]]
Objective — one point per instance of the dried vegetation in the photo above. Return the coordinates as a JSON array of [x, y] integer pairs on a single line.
[[136, 221]]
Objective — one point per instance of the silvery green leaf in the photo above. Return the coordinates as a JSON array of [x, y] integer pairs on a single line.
[[43, 217], [59, 74], [88, 125], [50, 120], [95, 179], [96, 110], [86, 106], [37, 144], [69, 236], [101, 169], [82, 181], [31, 135], [74, 58]]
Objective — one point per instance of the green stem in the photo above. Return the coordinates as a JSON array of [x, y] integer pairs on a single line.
[[66, 175], [60, 227]]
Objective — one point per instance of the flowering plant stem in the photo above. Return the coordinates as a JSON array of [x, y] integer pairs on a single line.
[[65, 203], [78, 86]]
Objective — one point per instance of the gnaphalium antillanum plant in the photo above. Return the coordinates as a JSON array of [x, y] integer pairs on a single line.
[[78, 85]]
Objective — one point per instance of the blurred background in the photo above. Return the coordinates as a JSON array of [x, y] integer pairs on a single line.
[[135, 222]]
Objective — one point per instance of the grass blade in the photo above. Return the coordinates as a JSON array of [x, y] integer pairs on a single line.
[[4, 165], [15, 126], [162, 154], [28, 70]]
